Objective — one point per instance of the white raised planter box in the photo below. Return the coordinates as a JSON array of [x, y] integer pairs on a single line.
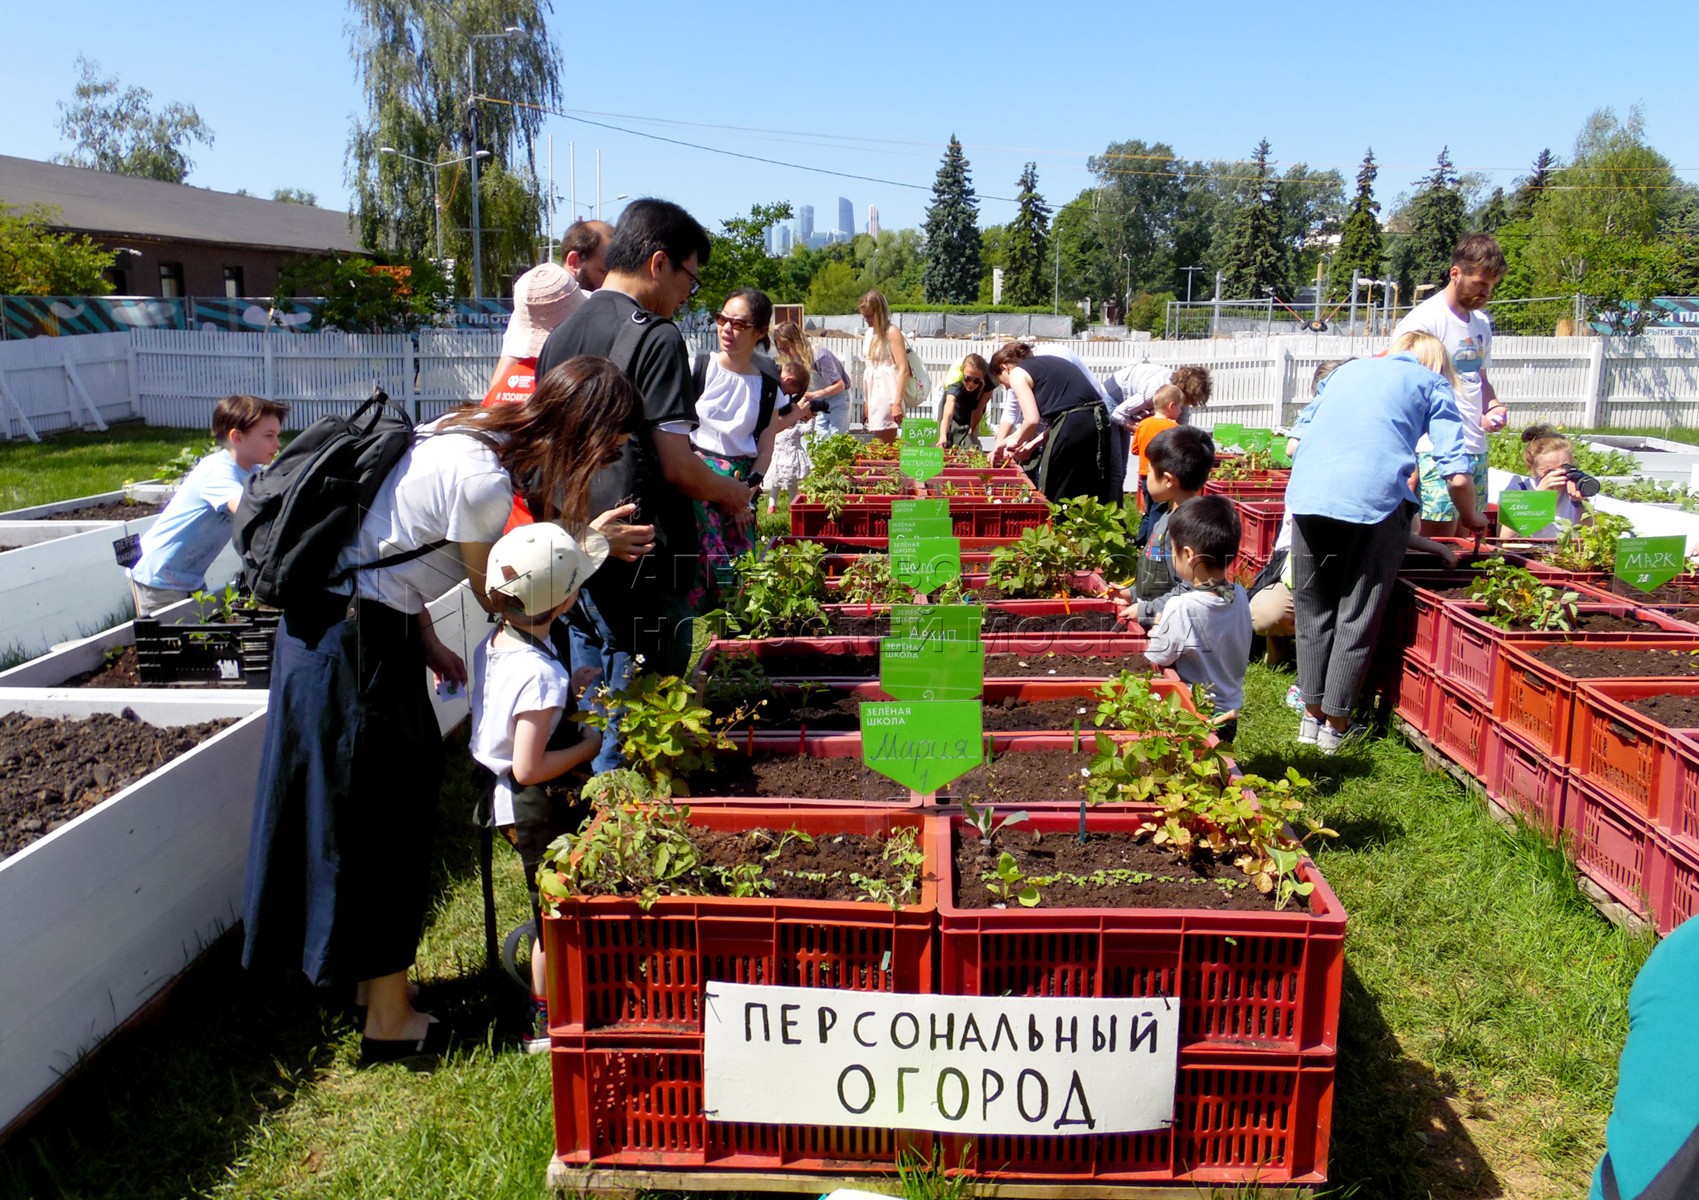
[[36, 512], [100, 914], [150, 492], [70, 587]]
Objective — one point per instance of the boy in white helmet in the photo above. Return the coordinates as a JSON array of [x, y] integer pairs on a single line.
[[521, 691]]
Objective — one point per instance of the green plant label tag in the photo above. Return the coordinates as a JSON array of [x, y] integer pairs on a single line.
[[1528, 512], [926, 562], [931, 669], [922, 744], [949, 622], [1648, 562], [922, 462], [921, 508], [918, 431], [907, 528], [1227, 435]]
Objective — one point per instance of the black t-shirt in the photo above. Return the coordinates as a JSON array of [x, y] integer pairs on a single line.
[[961, 415], [615, 326], [1057, 385]]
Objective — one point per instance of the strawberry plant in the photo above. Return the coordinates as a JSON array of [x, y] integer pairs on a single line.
[[1008, 882], [778, 590], [664, 732], [1040, 564], [1517, 599], [868, 580], [1101, 535], [1590, 547]]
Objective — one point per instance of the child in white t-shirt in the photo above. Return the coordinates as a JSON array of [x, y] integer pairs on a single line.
[[1205, 631], [521, 691]]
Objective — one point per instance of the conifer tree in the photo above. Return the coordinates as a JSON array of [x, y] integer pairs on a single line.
[[1026, 244], [1436, 223], [1254, 260], [952, 234], [1530, 188], [1360, 243]]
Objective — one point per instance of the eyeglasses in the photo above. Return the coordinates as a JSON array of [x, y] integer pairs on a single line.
[[695, 283], [738, 324], [973, 380]]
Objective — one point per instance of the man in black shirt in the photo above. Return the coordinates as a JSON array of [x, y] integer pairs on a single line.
[[652, 260]]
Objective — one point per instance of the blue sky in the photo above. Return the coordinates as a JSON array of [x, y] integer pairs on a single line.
[[838, 88]]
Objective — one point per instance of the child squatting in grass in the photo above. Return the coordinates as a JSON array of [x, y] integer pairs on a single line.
[[521, 690]]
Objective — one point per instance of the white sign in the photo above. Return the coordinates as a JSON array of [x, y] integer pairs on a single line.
[[963, 1064]]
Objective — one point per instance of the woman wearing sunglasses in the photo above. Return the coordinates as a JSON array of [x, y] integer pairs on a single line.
[[965, 394], [739, 409]]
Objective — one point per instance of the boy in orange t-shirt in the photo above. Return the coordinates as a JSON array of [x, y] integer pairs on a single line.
[[1169, 402]]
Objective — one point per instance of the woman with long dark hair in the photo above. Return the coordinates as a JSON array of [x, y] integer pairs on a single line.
[[340, 860], [1053, 394]]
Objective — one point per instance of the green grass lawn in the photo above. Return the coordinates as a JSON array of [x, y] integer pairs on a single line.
[[1484, 1009], [66, 465]]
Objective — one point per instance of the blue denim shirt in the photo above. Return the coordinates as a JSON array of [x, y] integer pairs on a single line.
[[1359, 437]]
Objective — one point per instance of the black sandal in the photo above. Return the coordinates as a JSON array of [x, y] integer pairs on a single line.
[[436, 1042]]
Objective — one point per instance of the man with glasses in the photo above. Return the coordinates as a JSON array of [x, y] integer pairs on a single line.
[[652, 262]]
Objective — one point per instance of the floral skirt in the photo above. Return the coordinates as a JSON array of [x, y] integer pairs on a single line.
[[721, 543]]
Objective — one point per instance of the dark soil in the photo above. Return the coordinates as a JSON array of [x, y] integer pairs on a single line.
[[1017, 777], [1675, 712], [1004, 620], [51, 770], [1602, 622], [836, 856], [119, 672], [3, 549], [1673, 592], [1172, 883], [1580, 662], [814, 665], [985, 593], [836, 711], [112, 510], [781, 775]]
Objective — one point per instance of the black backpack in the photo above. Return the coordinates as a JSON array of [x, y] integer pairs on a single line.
[[298, 515]]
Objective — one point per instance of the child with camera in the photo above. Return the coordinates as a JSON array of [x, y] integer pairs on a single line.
[[1551, 467]]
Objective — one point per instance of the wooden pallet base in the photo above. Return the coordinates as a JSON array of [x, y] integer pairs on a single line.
[[629, 1181], [1617, 914]]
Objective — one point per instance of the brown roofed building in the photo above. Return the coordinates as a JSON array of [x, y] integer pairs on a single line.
[[173, 239]]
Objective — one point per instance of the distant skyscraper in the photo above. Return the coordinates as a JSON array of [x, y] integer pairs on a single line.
[[846, 218], [873, 220], [784, 239], [805, 218]]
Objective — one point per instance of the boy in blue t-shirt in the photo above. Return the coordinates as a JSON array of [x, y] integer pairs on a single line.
[[196, 525]]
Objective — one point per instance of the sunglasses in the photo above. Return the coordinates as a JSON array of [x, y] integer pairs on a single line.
[[738, 324], [695, 283]]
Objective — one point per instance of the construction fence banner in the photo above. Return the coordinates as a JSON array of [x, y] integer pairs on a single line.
[[1674, 312], [24, 317]]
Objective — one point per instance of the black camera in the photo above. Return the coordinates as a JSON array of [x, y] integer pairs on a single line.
[[819, 406], [1584, 483]]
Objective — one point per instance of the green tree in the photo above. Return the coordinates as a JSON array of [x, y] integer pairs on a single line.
[[1028, 244], [1311, 208], [834, 290], [1359, 239], [36, 261], [1434, 224], [952, 234], [289, 195], [410, 57], [1492, 215], [364, 296], [739, 256], [895, 262], [1528, 188], [1254, 258], [1139, 190], [993, 253], [119, 131]]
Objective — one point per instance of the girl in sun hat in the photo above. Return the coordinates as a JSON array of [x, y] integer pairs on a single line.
[[521, 691]]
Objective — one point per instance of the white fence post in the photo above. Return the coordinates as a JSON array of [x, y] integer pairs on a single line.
[[130, 380], [1593, 384], [23, 417], [409, 375]]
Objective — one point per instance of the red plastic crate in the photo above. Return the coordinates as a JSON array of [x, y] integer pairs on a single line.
[[1416, 694], [1246, 980], [1684, 786], [1416, 609], [1537, 701], [1246, 567], [867, 517], [614, 968], [1239, 1118], [638, 1102], [1675, 884], [1623, 752], [1468, 645], [1525, 780], [1614, 847], [1460, 723], [773, 651], [1259, 526]]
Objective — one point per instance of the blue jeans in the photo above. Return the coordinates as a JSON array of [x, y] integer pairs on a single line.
[[597, 650]]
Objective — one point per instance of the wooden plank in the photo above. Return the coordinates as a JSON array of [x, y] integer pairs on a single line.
[[628, 1181], [81, 393]]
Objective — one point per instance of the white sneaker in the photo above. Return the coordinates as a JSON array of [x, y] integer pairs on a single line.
[[1308, 730], [1331, 741]]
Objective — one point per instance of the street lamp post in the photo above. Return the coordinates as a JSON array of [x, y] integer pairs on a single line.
[[1189, 271], [1126, 285], [436, 185], [472, 41]]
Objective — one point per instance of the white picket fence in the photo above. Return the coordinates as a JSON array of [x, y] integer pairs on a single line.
[[172, 378]]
